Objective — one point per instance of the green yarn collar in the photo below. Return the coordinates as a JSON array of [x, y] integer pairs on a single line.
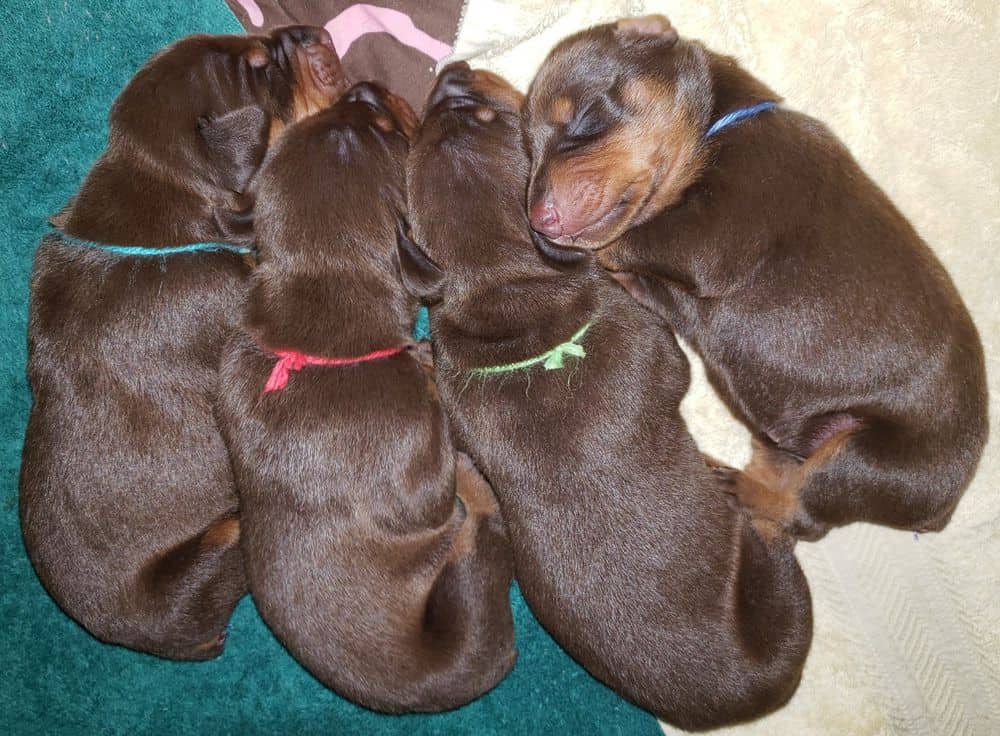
[[551, 360]]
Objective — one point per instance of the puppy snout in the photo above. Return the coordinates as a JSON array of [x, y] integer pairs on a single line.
[[454, 81]]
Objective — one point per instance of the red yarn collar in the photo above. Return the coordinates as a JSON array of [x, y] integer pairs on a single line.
[[293, 360]]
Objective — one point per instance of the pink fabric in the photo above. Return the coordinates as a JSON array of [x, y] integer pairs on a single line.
[[362, 18], [293, 360], [253, 12]]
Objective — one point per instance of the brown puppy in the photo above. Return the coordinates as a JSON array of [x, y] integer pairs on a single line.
[[383, 583], [625, 544], [822, 317], [127, 499]]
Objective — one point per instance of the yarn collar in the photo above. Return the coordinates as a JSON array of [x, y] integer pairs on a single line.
[[290, 361], [168, 250], [551, 360], [736, 116]]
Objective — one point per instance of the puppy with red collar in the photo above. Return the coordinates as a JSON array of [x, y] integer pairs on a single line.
[[375, 553], [822, 317]]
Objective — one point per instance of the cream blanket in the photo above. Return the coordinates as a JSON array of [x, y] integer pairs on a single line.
[[907, 630]]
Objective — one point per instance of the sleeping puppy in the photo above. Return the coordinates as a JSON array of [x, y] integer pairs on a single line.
[[127, 502], [823, 319], [375, 554], [626, 545]]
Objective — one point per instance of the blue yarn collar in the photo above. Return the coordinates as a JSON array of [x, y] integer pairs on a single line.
[[737, 115], [167, 250]]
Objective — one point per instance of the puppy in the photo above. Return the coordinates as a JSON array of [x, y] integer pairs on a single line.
[[127, 502], [387, 586], [822, 317], [626, 545]]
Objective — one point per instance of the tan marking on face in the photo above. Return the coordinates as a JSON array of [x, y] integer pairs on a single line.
[[561, 110], [497, 90], [652, 159], [317, 85], [485, 114], [403, 112]]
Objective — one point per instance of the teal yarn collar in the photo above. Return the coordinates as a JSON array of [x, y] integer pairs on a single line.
[[422, 327], [551, 360], [143, 251]]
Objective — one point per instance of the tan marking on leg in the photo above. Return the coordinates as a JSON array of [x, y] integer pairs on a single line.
[[779, 478], [225, 533]]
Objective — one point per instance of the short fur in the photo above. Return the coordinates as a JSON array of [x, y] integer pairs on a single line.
[[823, 319], [626, 544], [376, 555], [127, 502]]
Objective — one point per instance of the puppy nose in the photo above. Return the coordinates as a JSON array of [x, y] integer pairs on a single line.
[[453, 81], [545, 219], [365, 92]]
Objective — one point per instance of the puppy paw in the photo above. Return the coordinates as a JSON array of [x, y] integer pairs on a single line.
[[474, 490]]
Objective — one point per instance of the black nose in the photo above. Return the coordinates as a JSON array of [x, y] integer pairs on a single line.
[[370, 94], [453, 81]]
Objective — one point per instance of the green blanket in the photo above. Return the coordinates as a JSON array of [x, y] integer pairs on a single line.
[[62, 65]]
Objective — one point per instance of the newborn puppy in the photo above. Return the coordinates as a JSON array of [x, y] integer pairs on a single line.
[[626, 545], [822, 317], [360, 557], [127, 502]]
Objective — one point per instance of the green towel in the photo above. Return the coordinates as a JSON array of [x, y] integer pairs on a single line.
[[62, 65]]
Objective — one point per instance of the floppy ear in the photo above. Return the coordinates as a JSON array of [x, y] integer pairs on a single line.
[[237, 142], [646, 26], [235, 225], [422, 277]]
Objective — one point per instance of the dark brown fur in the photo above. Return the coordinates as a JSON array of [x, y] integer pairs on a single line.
[[822, 317], [626, 545], [383, 583], [127, 502]]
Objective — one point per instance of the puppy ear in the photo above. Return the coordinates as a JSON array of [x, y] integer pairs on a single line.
[[646, 26], [235, 225], [237, 142], [422, 277]]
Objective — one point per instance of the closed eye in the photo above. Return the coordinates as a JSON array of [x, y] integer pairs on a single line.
[[588, 125]]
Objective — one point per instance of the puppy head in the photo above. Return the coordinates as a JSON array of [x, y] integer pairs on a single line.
[[203, 110], [614, 121], [467, 170], [333, 177], [327, 200]]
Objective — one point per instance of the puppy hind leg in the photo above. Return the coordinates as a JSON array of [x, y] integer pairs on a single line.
[[885, 475], [191, 592], [468, 609]]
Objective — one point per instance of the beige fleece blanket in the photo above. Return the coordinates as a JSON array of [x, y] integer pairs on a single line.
[[907, 629]]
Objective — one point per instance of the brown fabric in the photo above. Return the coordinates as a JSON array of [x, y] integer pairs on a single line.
[[379, 55]]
